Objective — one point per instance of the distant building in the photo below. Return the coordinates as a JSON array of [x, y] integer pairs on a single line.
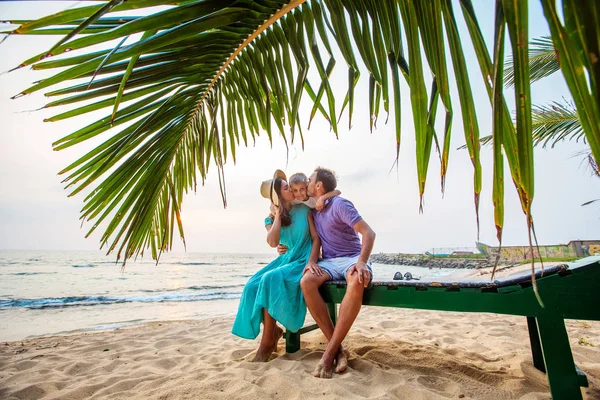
[[451, 251]]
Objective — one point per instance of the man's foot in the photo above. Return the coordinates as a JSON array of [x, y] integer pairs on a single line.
[[341, 360], [324, 368], [267, 347]]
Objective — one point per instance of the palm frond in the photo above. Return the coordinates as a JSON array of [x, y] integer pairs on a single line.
[[197, 78], [543, 61], [593, 164], [551, 124], [579, 50], [554, 123], [587, 203], [203, 76]]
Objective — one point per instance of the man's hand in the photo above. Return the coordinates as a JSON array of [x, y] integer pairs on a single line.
[[320, 203], [281, 249], [314, 268], [364, 275]]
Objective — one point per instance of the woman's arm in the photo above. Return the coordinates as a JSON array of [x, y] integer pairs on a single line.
[[274, 230], [328, 195]]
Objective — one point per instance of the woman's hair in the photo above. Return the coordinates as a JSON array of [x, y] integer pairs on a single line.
[[286, 220], [298, 177]]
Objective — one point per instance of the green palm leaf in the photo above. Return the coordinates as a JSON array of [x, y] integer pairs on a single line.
[[206, 73], [543, 61], [552, 124]]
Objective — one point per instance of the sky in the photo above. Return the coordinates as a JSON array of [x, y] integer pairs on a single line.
[[36, 214]]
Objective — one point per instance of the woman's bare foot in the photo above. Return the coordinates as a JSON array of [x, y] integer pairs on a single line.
[[267, 347], [324, 368], [341, 360]]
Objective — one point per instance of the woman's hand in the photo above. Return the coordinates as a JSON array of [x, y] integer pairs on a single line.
[[314, 268], [274, 211]]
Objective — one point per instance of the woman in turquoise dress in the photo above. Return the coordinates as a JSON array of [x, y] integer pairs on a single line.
[[273, 294]]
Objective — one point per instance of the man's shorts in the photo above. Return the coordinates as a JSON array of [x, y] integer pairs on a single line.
[[339, 266]]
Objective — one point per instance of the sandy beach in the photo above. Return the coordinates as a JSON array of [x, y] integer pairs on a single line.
[[394, 353], [155, 156]]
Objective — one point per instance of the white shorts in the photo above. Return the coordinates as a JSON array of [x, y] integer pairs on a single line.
[[339, 266]]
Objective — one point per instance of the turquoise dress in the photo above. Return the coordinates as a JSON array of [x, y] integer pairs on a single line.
[[276, 287]]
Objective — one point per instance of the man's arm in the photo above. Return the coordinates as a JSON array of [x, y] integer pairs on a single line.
[[368, 239]]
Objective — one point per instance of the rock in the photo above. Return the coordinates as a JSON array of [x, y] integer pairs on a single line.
[[431, 262]]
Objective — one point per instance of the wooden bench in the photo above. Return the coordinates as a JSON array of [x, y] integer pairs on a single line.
[[568, 291]]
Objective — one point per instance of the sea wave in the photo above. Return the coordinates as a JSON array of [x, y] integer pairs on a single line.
[[82, 266], [32, 273], [191, 288], [201, 263], [9, 263], [78, 301]]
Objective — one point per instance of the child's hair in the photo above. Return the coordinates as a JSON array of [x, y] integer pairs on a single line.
[[298, 177]]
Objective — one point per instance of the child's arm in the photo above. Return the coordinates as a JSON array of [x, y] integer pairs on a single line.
[[312, 265], [321, 199]]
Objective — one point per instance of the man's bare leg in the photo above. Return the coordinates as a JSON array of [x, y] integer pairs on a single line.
[[318, 309], [349, 309], [271, 335]]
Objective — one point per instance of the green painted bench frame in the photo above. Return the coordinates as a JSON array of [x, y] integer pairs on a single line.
[[569, 291]]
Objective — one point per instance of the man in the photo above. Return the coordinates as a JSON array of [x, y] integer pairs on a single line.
[[344, 257]]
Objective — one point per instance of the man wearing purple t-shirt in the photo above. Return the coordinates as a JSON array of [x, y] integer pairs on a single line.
[[344, 257]]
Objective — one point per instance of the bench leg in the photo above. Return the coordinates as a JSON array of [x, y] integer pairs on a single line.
[[332, 307], [558, 359], [292, 341], [536, 347]]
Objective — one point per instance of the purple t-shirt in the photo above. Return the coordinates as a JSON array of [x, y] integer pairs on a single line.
[[334, 225]]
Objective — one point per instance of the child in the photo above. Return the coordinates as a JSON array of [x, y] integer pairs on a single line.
[[299, 185]]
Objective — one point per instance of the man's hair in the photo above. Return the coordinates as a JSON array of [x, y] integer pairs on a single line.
[[298, 177], [327, 177]]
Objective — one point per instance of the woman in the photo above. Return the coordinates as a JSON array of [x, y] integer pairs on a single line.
[[273, 293]]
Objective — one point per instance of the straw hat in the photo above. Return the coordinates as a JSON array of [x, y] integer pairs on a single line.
[[267, 189]]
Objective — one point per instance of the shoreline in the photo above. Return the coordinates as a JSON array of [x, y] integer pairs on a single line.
[[393, 353]]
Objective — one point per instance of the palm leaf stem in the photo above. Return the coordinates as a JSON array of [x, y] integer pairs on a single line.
[[274, 18]]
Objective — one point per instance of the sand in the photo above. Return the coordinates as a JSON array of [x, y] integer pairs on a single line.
[[394, 353]]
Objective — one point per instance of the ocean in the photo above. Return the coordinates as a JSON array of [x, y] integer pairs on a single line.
[[53, 292]]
